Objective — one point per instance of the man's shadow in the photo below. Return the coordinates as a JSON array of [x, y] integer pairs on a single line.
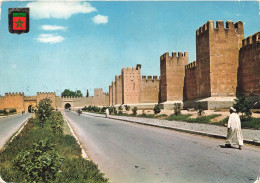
[[226, 147]]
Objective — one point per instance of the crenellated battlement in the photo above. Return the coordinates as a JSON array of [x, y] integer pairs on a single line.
[[150, 78], [191, 65], [98, 89], [209, 26], [251, 40], [14, 94], [166, 56], [46, 93], [138, 67], [118, 77]]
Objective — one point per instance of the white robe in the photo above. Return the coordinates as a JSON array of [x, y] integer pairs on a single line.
[[107, 112], [234, 135]]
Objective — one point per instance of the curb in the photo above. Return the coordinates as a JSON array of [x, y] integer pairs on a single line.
[[83, 152], [12, 138], [246, 141], [9, 116], [19, 131]]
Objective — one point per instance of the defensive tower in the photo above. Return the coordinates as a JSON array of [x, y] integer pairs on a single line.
[[172, 70]]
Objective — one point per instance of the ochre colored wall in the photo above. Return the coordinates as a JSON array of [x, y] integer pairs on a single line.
[[190, 90], [118, 89], [110, 96], [30, 100], [249, 66], [149, 89], [50, 95], [217, 51], [100, 98], [12, 101], [172, 70], [131, 83], [113, 93]]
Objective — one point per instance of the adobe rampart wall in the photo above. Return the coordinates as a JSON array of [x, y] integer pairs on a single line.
[[217, 52], [249, 66], [172, 70], [118, 89], [131, 84], [190, 90], [149, 89]]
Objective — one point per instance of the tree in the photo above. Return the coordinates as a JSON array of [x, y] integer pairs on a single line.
[[44, 110], [243, 105], [87, 94], [69, 93]]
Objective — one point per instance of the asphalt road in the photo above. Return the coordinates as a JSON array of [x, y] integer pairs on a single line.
[[10, 125], [131, 153]]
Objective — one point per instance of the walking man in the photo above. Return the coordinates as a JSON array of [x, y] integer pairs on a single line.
[[234, 133], [107, 112]]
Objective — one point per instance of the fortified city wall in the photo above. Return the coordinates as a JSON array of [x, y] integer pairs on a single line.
[[172, 70], [131, 84], [118, 89], [149, 89], [190, 90], [50, 95], [100, 98], [249, 66], [113, 93], [11, 101], [217, 52], [110, 96]]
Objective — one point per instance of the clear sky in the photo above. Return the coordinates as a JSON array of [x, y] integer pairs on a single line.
[[83, 45]]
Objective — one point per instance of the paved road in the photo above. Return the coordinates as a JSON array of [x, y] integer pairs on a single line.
[[10, 125], [134, 153]]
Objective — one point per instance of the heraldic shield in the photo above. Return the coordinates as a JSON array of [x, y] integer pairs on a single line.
[[18, 20]]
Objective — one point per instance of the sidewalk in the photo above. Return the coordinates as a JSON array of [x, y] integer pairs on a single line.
[[250, 136]]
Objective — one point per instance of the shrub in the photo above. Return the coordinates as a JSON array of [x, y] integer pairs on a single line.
[[243, 105], [120, 108], [57, 122], [12, 111], [44, 110], [95, 109], [177, 108], [134, 110], [127, 108], [156, 109], [40, 163], [5, 112], [115, 111], [84, 108], [111, 110], [103, 109], [200, 110]]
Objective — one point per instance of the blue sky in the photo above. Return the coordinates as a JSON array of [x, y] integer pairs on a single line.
[[83, 45]]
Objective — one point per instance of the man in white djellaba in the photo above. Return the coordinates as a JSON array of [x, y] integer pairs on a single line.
[[234, 134], [107, 112]]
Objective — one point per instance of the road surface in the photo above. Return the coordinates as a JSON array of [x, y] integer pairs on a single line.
[[10, 125], [129, 153]]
